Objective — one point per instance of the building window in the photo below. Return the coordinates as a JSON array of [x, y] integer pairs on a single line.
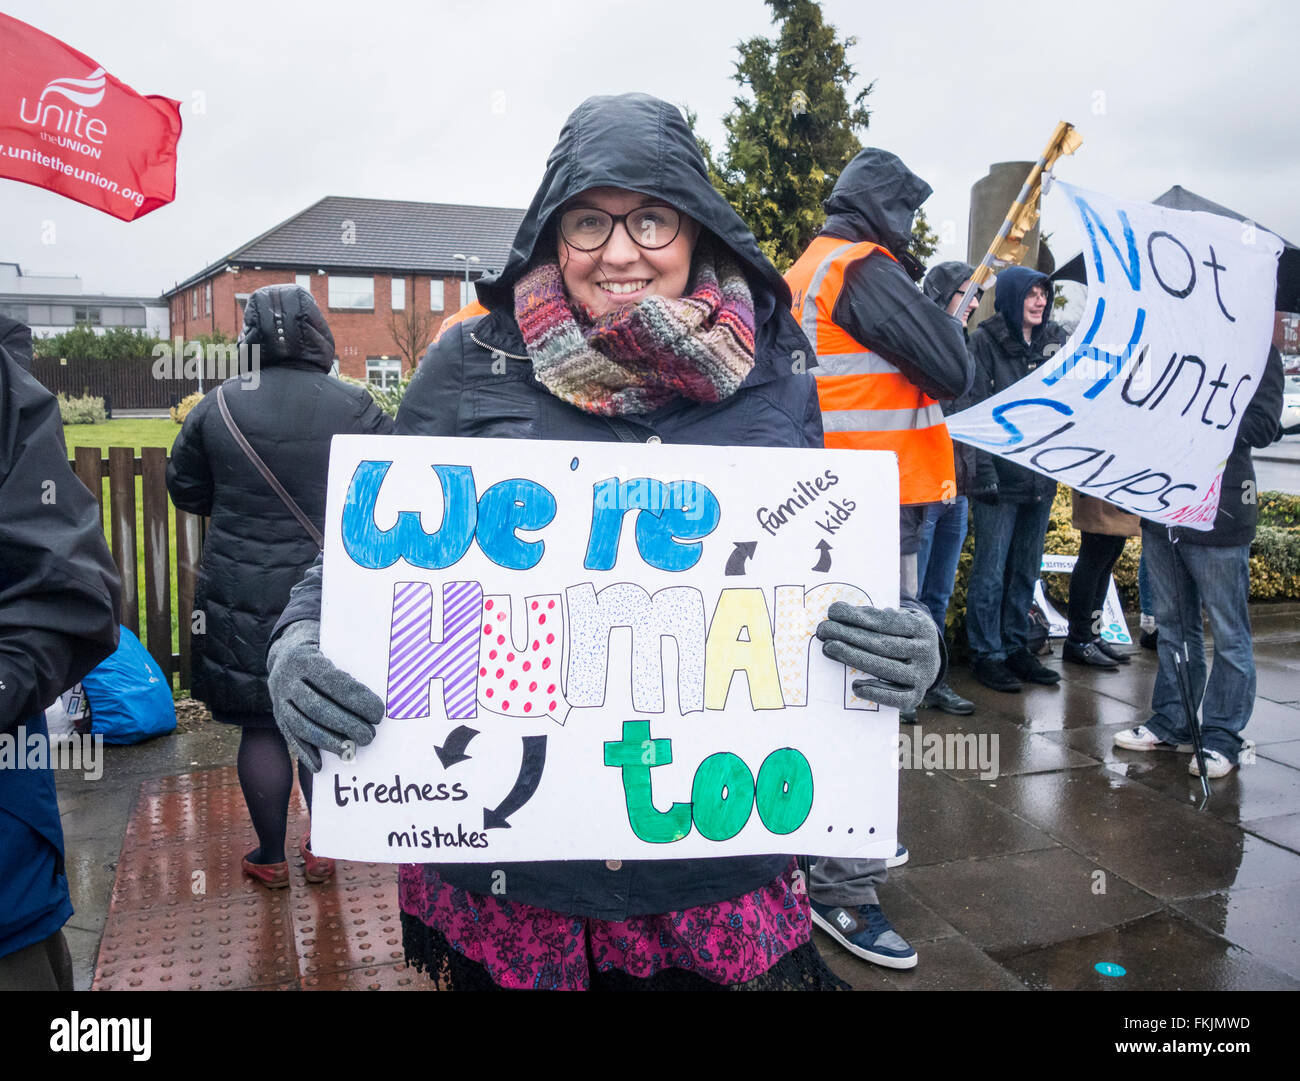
[[399, 294], [15, 311], [60, 315], [207, 299], [466, 293], [302, 281], [354, 293], [436, 301], [133, 317], [383, 372], [87, 316], [194, 303]]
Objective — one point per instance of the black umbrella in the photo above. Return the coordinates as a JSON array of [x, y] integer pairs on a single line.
[[1179, 198]]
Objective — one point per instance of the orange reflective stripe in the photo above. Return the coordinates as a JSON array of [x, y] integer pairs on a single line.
[[887, 392], [867, 404], [470, 310]]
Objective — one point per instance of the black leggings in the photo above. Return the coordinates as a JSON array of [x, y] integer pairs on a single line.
[[266, 776], [1097, 556]]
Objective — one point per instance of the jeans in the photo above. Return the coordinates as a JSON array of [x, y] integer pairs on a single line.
[[1186, 578], [942, 534], [1008, 555], [1146, 595]]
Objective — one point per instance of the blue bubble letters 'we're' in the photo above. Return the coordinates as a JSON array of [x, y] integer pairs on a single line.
[[506, 507]]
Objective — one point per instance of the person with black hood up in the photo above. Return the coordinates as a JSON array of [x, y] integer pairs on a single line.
[[635, 306], [256, 547], [1012, 503], [60, 600], [886, 356]]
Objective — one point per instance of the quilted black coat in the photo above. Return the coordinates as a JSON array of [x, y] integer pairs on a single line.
[[255, 549]]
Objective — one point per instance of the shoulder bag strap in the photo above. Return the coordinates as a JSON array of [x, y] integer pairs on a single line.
[[267, 475]]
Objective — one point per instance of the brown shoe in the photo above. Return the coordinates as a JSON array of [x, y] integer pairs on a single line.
[[274, 876], [317, 868]]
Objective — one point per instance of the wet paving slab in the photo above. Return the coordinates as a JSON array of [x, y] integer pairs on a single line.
[[1261, 920], [1283, 830], [1028, 898], [1261, 790], [998, 747], [1160, 845], [1160, 952], [941, 819]]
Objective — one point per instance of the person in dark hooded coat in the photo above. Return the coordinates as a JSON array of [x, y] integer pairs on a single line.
[[60, 600], [1012, 504], [624, 226], [288, 408]]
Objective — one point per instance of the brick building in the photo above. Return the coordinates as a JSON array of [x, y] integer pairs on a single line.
[[384, 272]]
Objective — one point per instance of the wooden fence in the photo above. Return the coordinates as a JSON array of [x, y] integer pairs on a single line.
[[123, 383], [121, 467]]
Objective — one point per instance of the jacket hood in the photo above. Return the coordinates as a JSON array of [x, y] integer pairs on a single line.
[[875, 199], [16, 340], [642, 144], [943, 281], [1009, 295], [284, 322]]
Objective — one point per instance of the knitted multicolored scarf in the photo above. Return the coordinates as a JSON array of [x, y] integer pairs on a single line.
[[639, 358]]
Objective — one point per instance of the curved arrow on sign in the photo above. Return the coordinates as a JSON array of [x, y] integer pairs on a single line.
[[453, 747], [736, 561], [530, 776]]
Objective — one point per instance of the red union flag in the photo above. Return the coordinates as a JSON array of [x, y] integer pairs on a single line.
[[68, 126]]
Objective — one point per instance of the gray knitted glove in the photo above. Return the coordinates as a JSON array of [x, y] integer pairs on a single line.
[[317, 705], [900, 647]]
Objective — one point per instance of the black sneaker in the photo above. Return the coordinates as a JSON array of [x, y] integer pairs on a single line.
[[1089, 654], [995, 675], [1023, 664], [1111, 650], [945, 698], [1149, 639]]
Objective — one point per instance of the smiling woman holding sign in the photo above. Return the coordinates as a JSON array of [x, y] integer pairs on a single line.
[[636, 307]]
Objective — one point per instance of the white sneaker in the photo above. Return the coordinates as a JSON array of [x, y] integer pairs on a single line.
[[1216, 765], [1142, 738]]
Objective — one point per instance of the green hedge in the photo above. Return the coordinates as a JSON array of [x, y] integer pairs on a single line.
[[1274, 559], [83, 410]]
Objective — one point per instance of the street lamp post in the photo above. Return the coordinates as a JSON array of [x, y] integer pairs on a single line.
[[467, 260]]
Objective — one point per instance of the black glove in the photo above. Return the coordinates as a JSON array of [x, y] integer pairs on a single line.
[[317, 705], [988, 494], [900, 647]]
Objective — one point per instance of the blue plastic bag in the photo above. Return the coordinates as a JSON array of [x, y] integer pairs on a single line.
[[130, 698]]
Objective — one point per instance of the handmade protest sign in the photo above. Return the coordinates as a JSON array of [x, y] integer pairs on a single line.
[[1141, 406], [604, 651]]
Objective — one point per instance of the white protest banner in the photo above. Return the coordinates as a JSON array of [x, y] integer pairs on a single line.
[[604, 651], [1113, 626], [1141, 406]]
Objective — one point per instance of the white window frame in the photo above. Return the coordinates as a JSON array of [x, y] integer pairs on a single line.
[[388, 369], [437, 296], [302, 281], [398, 294], [347, 294]]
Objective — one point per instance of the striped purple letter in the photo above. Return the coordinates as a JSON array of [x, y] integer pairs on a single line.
[[414, 658]]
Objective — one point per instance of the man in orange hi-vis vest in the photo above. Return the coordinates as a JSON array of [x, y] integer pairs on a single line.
[[886, 355]]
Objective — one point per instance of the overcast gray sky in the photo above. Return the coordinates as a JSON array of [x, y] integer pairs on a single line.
[[460, 103]]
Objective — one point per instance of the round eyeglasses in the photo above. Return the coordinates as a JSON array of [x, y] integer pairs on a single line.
[[650, 227]]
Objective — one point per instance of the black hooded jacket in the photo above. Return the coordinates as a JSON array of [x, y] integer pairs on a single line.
[[60, 595], [874, 200], [1003, 357], [255, 549], [477, 380]]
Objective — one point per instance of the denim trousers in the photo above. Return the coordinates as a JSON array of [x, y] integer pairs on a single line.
[[1008, 555], [1185, 579], [943, 532]]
